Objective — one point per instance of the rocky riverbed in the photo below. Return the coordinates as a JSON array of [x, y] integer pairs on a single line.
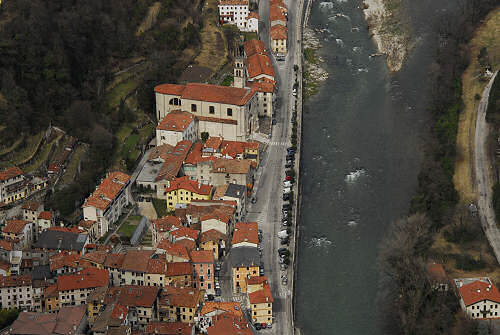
[[314, 73]]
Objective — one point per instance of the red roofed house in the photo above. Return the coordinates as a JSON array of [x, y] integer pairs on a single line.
[[177, 303], [203, 270], [16, 292], [279, 34], [13, 185], [236, 171], [177, 126], [215, 241], [162, 227], [184, 233], [276, 16], [18, 231], [227, 323], [173, 252], [212, 309], [245, 235], [169, 328], [106, 203], [74, 289], [182, 190], [437, 276], [179, 274], [64, 262], [479, 298], [260, 303], [225, 111]]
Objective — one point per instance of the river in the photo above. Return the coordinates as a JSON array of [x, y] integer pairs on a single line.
[[362, 138]]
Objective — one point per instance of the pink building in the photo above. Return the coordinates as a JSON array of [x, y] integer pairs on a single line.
[[203, 270]]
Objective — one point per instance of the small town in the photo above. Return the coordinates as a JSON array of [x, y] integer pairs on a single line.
[[176, 247], [241, 167]]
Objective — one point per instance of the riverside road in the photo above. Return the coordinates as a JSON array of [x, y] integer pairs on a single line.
[[268, 189]]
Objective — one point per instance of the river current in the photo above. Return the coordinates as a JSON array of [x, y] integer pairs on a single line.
[[362, 137]]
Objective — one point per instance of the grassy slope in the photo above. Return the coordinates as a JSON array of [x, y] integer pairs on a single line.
[[486, 36]]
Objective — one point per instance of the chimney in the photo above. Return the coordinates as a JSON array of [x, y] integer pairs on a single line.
[[478, 290]]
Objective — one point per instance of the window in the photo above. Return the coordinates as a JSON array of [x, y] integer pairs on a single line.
[[193, 108], [229, 112], [211, 110]]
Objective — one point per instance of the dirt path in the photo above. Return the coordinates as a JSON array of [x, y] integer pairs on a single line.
[[486, 36], [150, 18]]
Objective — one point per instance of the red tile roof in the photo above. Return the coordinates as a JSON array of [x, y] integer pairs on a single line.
[[169, 328], [237, 166], [230, 307], [189, 185], [177, 250], [279, 32], [107, 190], [87, 278], [161, 151], [5, 266], [15, 281], [171, 89], [256, 280], [195, 155], [157, 266], [6, 245], [261, 296], [263, 87], [245, 232], [167, 223], [187, 243], [207, 92], [185, 232], [9, 173], [253, 47], [119, 311], [180, 296], [136, 260], [87, 224], [478, 291], [133, 295], [276, 14], [212, 235], [179, 269], [216, 119], [46, 215], [114, 261], [51, 291], [227, 324], [14, 226], [202, 256], [31, 205], [234, 148], [97, 257], [176, 121], [173, 161], [213, 143], [60, 260]]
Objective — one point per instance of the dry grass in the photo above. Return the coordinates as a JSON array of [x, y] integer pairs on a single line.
[[443, 252], [213, 53], [150, 18], [487, 35]]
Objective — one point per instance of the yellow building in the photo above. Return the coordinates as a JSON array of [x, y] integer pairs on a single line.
[[214, 241], [245, 264], [261, 305], [183, 191], [51, 299], [278, 34], [95, 303], [179, 274], [179, 303]]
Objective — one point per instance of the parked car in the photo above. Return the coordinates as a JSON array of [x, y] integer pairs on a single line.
[[287, 184], [261, 272], [210, 297], [286, 197], [289, 178], [283, 266], [285, 213], [217, 285], [289, 172], [254, 200], [274, 121], [257, 326], [282, 250], [285, 223], [217, 266], [287, 190], [285, 241], [288, 165], [218, 291], [284, 280], [294, 92]]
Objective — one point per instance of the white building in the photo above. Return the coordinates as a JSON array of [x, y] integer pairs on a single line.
[[252, 23], [106, 203], [229, 112], [234, 12], [479, 298], [177, 126], [16, 292]]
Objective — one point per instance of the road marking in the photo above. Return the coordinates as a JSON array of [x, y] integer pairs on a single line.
[[283, 143]]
